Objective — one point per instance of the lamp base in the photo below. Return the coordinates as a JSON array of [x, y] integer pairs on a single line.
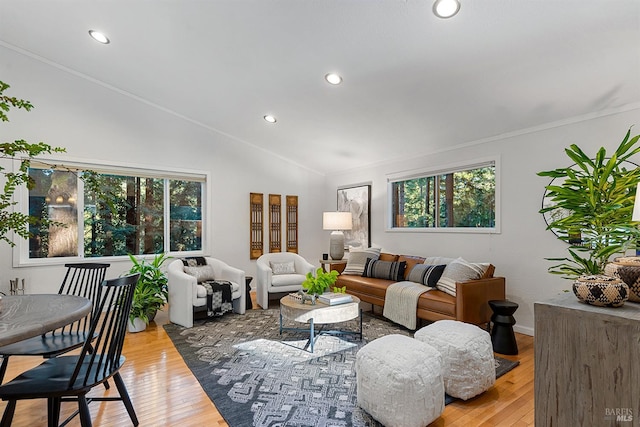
[[336, 245]]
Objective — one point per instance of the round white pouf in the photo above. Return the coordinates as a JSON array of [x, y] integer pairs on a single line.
[[400, 381], [467, 355]]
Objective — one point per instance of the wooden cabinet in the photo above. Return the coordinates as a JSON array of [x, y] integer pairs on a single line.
[[587, 364]]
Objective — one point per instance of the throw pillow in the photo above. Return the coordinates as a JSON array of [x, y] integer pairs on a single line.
[[202, 273], [193, 261], [459, 270], [390, 270], [287, 267], [426, 274], [358, 258]]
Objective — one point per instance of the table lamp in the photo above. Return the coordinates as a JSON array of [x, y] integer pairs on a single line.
[[336, 221]]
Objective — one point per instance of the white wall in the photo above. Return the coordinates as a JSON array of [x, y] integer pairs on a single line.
[[518, 252], [98, 124]]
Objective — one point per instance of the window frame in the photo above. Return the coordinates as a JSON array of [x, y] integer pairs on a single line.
[[442, 170], [21, 248]]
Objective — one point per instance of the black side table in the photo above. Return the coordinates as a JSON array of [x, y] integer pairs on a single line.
[[249, 304], [502, 336]]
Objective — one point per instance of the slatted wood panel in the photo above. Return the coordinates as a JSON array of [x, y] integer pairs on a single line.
[[256, 233], [275, 223], [292, 224], [165, 393]]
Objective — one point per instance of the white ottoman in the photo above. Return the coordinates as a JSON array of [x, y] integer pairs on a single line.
[[468, 367], [400, 381]]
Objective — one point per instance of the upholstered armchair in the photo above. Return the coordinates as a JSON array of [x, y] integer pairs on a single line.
[[187, 297], [278, 273]]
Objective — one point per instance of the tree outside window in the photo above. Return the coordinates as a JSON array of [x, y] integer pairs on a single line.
[[458, 199]]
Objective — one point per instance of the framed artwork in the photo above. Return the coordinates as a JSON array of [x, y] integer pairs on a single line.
[[356, 200]]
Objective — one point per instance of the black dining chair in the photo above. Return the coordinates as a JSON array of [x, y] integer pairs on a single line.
[[70, 377], [81, 280]]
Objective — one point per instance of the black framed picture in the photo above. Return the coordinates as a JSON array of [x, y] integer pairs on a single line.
[[357, 200]]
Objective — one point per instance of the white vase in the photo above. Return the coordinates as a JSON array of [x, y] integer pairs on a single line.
[[137, 325]]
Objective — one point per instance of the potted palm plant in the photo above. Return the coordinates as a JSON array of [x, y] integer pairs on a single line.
[[593, 201], [151, 292], [590, 208]]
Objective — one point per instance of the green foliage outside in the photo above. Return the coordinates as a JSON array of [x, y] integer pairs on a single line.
[[423, 202], [316, 285], [594, 199]]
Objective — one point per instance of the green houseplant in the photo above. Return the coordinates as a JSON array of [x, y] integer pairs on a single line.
[[151, 292], [318, 284], [591, 203]]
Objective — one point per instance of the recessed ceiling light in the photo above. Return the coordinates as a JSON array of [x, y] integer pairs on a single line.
[[270, 119], [99, 37], [446, 8], [333, 78]]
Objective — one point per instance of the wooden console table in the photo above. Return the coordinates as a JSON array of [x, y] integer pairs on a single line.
[[587, 363]]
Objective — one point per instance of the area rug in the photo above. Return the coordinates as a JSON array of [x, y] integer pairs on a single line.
[[257, 377]]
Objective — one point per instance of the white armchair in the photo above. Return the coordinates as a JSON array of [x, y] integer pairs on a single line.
[[187, 297], [290, 271]]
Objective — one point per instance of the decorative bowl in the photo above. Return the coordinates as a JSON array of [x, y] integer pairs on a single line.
[[601, 290], [626, 269]]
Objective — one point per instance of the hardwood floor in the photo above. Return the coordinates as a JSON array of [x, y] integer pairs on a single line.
[[165, 393]]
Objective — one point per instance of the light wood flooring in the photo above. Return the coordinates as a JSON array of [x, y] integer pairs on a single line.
[[165, 393]]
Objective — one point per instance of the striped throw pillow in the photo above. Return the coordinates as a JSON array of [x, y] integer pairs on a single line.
[[459, 270], [426, 274], [390, 270], [358, 258]]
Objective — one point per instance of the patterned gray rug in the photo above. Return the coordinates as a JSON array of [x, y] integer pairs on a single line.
[[257, 377]]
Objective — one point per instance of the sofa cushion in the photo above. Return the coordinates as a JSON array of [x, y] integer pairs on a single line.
[[286, 267], [287, 279], [358, 258], [390, 270], [364, 285], [459, 270], [438, 302], [438, 260], [426, 274], [200, 272]]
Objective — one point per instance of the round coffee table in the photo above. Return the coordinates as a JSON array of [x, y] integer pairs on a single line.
[[320, 314]]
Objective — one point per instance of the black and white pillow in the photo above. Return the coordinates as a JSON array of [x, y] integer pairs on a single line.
[[358, 258], [390, 270], [426, 274]]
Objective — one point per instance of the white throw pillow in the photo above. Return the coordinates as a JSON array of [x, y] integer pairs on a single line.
[[358, 258], [202, 273], [459, 270], [287, 267]]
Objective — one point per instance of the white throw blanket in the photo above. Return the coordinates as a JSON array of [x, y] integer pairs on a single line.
[[401, 302]]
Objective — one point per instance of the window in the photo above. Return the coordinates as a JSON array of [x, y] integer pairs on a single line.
[[149, 213], [461, 197]]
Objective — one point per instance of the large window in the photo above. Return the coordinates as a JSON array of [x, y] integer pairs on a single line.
[[461, 197], [144, 214]]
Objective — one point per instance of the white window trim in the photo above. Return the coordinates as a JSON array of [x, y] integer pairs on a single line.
[[439, 170], [20, 251]]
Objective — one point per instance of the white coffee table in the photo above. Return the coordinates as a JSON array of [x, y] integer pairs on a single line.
[[319, 314]]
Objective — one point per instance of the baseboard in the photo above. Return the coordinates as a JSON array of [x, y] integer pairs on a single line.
[[523, 330]]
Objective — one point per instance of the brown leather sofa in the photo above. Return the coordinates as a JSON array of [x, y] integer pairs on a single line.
[[469, 305]]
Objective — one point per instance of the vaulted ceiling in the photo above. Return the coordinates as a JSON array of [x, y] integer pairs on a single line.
[[413, 83]]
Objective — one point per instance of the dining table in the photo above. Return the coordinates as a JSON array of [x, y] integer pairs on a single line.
[[27, 316]]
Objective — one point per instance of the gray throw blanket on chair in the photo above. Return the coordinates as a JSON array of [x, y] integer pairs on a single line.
[[219, 299]]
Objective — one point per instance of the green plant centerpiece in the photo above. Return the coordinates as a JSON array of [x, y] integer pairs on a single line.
[[317, 284], [151, 292], [590, 206]]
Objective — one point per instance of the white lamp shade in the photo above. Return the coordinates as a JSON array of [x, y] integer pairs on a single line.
[[636, 206], [336, 221]]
